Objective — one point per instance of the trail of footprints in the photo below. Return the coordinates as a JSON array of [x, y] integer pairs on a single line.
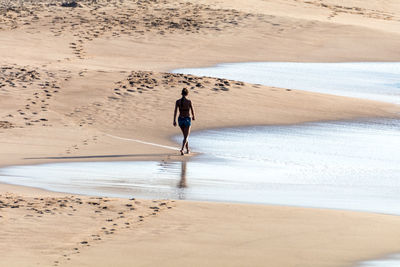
[[134, 18], [146, 16], [93, 19], [337, 9], [114, 18], [6, 125], [116, 215], [84, 142], [37, 86]]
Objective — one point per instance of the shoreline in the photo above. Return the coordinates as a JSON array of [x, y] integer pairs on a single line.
[[177, 157], [37, 191], [211, 65], [186, 158]]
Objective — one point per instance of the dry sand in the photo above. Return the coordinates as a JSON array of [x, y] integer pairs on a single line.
[[69, 77], [41, 228], [215, 234]]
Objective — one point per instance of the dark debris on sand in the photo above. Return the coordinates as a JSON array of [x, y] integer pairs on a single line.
[[139, 82]]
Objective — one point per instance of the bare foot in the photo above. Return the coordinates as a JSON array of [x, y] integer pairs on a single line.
[[181, 152], [187, 151]]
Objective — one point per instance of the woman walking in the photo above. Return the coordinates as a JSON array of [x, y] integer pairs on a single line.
[[185, 106]]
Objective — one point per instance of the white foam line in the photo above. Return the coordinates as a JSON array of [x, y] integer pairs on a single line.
[[141, 142]]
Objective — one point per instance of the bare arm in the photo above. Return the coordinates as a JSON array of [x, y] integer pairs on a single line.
[[175, 111], [192, 109]]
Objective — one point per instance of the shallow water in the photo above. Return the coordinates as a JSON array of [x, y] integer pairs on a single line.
[[340, 165], [392, 261], [372, 80]]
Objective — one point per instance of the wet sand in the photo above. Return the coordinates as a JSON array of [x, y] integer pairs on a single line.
[[321, 165], [69, 76]]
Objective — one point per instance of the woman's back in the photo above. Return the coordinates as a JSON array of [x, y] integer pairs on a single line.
[[184, 105]]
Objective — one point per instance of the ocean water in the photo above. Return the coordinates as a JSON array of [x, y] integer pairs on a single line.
[[373, 80], [391, 261]]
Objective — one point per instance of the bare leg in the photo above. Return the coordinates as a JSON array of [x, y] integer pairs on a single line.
[[187, 141], [185, 131], [187, 147]]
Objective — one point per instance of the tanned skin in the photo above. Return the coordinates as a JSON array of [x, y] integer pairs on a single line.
[[185, 107]]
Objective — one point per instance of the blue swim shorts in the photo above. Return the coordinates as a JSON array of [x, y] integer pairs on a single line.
[[184, 121]]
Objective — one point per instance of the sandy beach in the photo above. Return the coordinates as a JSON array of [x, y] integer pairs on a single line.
[[76, 82]]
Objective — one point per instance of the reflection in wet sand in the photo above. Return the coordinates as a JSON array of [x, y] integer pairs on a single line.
[[182, 182]]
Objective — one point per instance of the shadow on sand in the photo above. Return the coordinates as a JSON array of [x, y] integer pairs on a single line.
[[104, 156]]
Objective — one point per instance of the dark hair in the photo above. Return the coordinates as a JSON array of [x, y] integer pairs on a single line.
[[185, 92]]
